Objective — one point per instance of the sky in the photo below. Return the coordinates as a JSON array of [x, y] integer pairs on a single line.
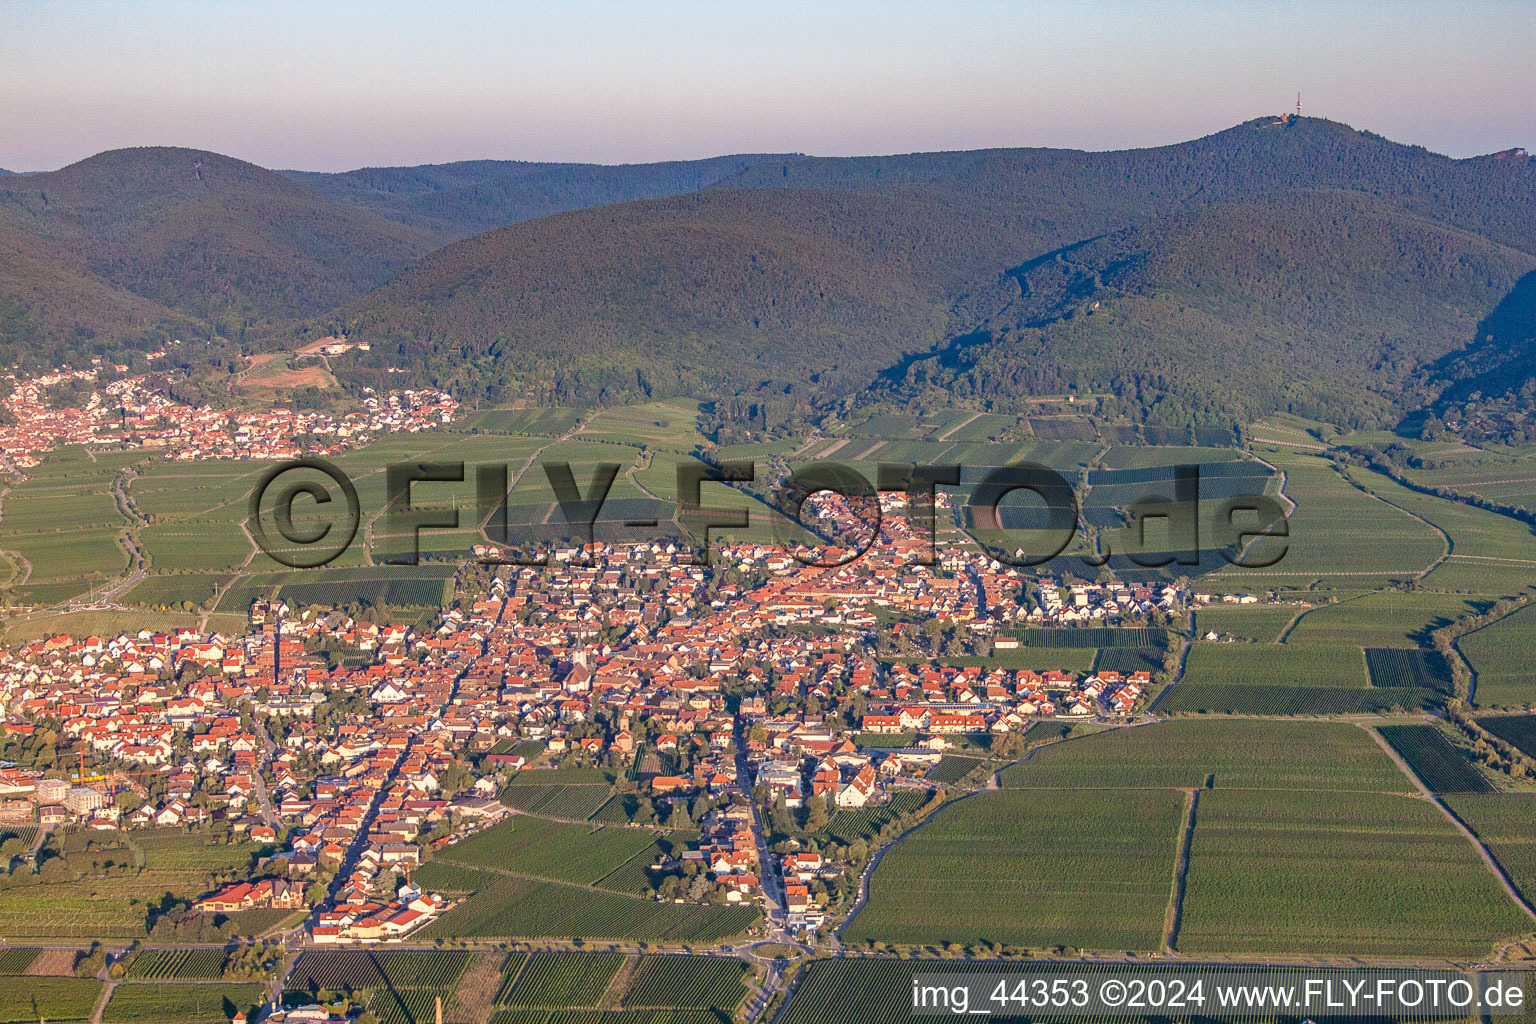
[[335, 85]]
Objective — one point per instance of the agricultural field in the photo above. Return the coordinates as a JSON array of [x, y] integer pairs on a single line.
[[1337, 873], [573, 803], [1337, 529], [1519, 730], [695, 982], [1391, 618], [63, 521], [850, 824], [400, 987], [17, 961], [1230, 754], [1434, 759], [177, 965], [1258, 623], [1286, 679], [1502, 479], [1089, 869], [185, 1004], [509, 906], [951, 769], [1506, 823], [579, 853], [1493, 554], [28, 1000], [558, 981], [1500, 655], [546, 421]]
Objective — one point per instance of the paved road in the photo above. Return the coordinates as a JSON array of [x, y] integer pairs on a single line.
[[270, 749]]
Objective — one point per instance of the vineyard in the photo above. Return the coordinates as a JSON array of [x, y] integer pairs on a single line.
[[700, 982], [512, 907], [177, 965], [28, 1000], [17, 961], [560, 980], [1275, 699], [1232, 754], [343, 971], [186, 1004], [1364, 874], [399, 987], [578, 853], [1094, 636], [1519, 730], [852, 824], [572, 802], [952, 769], [1398, 666], [608, 1017], [1506, 823], [1434, 759], [1029, 869]]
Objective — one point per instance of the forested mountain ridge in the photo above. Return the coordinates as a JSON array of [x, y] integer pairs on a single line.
[[1284, 263], [216, 238], [711, 293], [1322, 302], [454, 201], [1291, 263], [1487, 390], [53, 310]]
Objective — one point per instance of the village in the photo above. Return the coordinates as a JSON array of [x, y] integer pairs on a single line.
[[717, 695], [129, 411]]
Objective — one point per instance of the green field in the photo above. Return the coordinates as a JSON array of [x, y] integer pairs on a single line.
[[1435, 760], [1500, 654], [1336, 530], [176, 965], [581, 854], [1235, 754], [1258, 623], [1337, 873], [29, 1000], [509, 906], [558, 981], [192, 1004], [1283, 679], [1506, 823], [695, 982], [1089, 869]]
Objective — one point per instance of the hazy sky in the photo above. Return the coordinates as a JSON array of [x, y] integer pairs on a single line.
[[336, 85]]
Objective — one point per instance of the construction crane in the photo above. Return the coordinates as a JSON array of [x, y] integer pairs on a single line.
[[80, 778]]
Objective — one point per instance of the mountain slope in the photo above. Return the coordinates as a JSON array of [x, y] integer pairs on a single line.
[[1492, 195], [1488, 389], [453, 201], [700, 294], [53, 311], [816, 278], [1322, 302], [207, 234]]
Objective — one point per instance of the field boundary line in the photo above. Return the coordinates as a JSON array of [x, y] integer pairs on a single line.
[[1175, 915], [1494, 866]]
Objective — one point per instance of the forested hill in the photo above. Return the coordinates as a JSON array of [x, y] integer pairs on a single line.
[[1327, 303], [1489, 387], [453, 201], [1275, 264], [1490, 195], [213, 237], [54, 310]]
